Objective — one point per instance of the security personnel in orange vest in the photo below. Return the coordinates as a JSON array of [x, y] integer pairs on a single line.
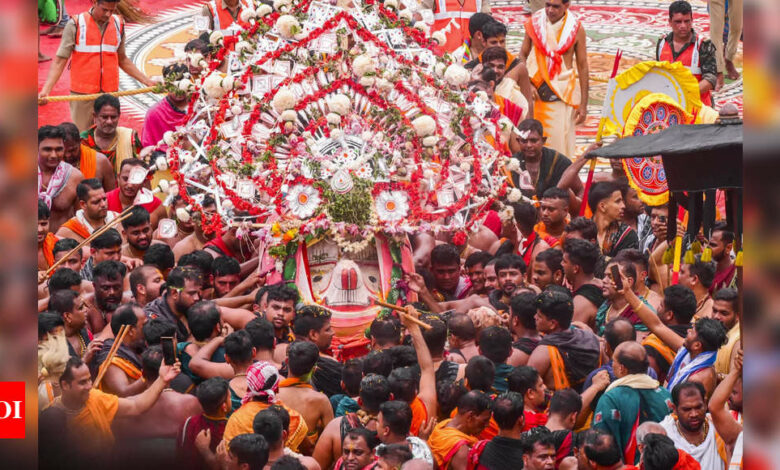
[[94, 42], [452, 17], [685, 46], [222, 14]]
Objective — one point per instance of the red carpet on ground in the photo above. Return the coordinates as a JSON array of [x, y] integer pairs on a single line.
[[55, 113]]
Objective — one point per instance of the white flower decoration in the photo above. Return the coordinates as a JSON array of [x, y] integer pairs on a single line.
[[507, 214], [439, 37], [194, 57], [333, 118], [364, 171], [247, 13], [288, 26], [363, 64], [456, 75], [514, 195], [506, 127], [182, 215], [243, 45], [383, 84], [185, 85], [430, 141], [392, 206], [405, 14], [391, 4], [169, 138], [341, 182], [216, 37], [161, 164], [278, 4], [339, 104], [423, 27], [303, 201], [367, 81], [513, 164], [263, 10], [283, 99], [424, 125], [213, 85], [289, 115]]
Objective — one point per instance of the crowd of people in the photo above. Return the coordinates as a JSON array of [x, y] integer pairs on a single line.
[[548, 340]]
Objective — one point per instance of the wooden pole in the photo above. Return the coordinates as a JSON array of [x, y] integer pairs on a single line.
[[402, 311], [125, 214], [111, 353]]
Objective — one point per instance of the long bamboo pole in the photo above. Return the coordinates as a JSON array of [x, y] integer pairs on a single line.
[[402, 311], [111, 353]]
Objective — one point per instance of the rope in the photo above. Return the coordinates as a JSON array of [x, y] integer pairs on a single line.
[[55, 99]]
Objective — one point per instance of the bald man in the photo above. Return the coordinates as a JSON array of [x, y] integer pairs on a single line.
[[416, 464], [616, 332], [632, 399], [648, 427]]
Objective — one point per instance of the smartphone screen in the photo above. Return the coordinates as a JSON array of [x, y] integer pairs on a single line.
[[168, 344], [616, 276]]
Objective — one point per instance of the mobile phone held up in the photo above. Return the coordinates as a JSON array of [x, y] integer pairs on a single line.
[[168, 349], [615, 270]]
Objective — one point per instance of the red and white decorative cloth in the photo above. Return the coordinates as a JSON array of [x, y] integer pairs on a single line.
[[56, 183], [262, 380], [544, 31]]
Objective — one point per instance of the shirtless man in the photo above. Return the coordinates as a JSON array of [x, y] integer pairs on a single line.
[[145, 284], [74, 263], [124, 378], [197, 239], [108, 280], [698, 278], [580, 347], [57, 179], [137, 230], [705, 338], [297, 392], [46, 239], [268, 424], [91, 163], [374, 390], [579, 263], [132, 191], [93, 212], [164, 419], [237, 243]]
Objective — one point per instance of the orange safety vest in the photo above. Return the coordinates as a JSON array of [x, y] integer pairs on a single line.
[[453, 19], [222, 17], [689, 58], [94, 66]]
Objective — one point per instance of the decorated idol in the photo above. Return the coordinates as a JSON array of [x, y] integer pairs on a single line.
[[328, 135]]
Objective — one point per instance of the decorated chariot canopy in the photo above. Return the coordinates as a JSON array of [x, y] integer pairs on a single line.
[[330, 134]]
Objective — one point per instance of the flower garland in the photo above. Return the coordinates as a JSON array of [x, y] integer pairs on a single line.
[[270, 182]]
